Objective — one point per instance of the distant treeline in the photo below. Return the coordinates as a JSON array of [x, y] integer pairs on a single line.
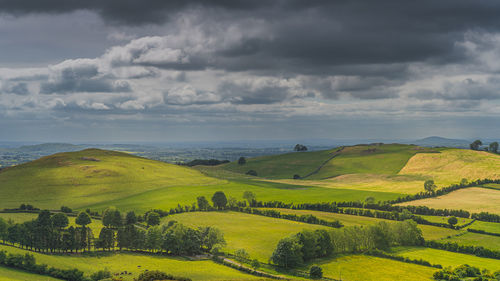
[[204, 162], [301, 218]]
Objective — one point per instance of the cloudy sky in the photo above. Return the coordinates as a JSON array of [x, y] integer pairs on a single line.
[[156, 70]]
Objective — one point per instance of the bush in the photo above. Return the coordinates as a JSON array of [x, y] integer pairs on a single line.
[[315, 272], [252, 173], [296, 177], [65, 209], [101, 274], [158, 275]]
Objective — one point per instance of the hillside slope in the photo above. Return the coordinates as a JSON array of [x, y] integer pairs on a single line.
[[90, 176]]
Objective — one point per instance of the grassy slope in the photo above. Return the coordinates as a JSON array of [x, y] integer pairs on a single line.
[[492, 227], [438, 219], [258, 235], [169, 197], [69, 179], [429, 232], [10, 274], [366, 268], [96, 225], [446, 258], [451, 165], [197, 270], [473, 199], [476, 239], [372, 159], [283, 166]]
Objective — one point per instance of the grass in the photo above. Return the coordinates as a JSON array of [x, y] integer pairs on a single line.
[[169, 197], [10, 274], [90, 176], [446, 258], [429, 232], [451, 165], [475, 239], [492, 227], [473, 199], [96, 225], [283, 166], [368, 182], [386, 159], [438, 219], [367, 268], [137, 263], [258, 235]]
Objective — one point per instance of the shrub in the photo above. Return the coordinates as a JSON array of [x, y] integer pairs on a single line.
[[252, 173], [315, 272]]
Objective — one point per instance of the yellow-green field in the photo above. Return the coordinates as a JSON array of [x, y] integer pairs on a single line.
[[493, 227], [10, 274], [96, 225], [429, 232], [451, 165], [473, 199], [77, 179], [475, 239], [137, 263], [404, 184], [438, 219], [367, 268], [446, 258], [258, 235]]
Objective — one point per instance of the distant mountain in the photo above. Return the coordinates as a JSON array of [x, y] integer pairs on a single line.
[[50, 148], [440, 141]]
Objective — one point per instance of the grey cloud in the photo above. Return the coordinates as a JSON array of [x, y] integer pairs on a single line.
[[467, 89], [20, 88]]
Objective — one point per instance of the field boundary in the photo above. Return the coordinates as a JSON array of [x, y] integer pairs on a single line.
[[336, 153]]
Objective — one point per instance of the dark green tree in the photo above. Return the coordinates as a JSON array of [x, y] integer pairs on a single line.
[[242, 161], [60, 221], [475, 145], [153, 218], [83, 219], [203, 204], [219, 200], [494, 147], [130, 218], [452, 221], [315, 272], [288, 253], [250, 197], [429, 186], [112, 218]]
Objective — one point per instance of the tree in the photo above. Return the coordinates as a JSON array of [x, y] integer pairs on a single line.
[[464, 182], [296, 177], [255, 264], [251, 173], [153, 218], [211, 237], [288, 253], [494, 147], [452, 221], [60, 220], [241, 255], [315, 272], [370, 200], [83, 219], [429, 186], [130, 218], [65, 209], [250, 197], [219, 200], [242, 160], [203, 204], [112, 218], [475, 145], [300, 147]]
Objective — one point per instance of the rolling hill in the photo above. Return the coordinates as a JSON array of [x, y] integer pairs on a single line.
[[90, 176]]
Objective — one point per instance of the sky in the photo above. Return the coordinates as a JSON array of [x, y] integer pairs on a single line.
[[181, 70]]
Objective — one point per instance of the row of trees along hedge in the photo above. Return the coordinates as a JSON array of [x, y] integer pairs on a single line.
[[51, 233], [27, 262], [306, 245], [302, 218], [455, 247], [382, 254], [482, 232]]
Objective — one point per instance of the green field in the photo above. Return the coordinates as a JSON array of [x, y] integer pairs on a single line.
[[492, 227], [451, 165], [137, 263], [429, 232], [386, 159], [472, 199], [96, 225], [10, 274], [367, 268], [86, 177], [258, 235], [476, 239], [438, 219], [169, 197], [446, 258]]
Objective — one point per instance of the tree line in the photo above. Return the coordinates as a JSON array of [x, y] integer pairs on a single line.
[[306, 245], [464, 249], [50, 233], [465, 272]]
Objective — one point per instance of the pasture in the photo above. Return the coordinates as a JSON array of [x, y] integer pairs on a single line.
[[367, 268], [492, 227], [137, 263], [10, 274], [476, 239], [473, 199], [258, 235], [446, 258]]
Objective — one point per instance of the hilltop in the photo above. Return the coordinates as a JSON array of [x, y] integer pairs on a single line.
[[90, 176]]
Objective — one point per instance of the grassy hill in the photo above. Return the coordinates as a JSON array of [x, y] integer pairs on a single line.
[[88, 177]]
